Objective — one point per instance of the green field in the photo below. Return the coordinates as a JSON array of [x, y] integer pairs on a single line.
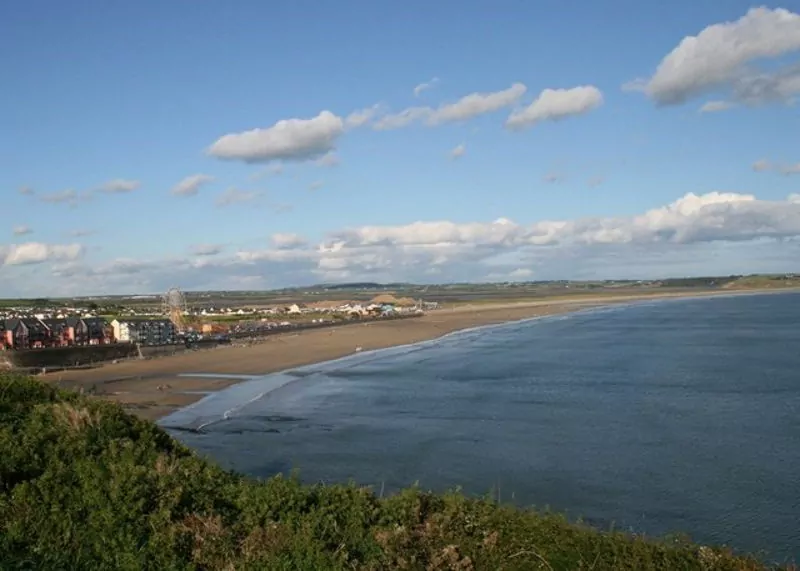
[[84, 485]]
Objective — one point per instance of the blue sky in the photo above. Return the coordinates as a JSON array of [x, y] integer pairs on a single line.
[[132, 96]]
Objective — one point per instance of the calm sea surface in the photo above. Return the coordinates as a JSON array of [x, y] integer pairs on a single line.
[[661, 417]]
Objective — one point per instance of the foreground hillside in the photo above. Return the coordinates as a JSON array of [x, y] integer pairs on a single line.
[[84, 485]]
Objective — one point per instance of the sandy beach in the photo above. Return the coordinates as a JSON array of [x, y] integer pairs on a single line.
[[154, 388]]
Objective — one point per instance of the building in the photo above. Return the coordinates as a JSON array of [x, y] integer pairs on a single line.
[[57, 335], [88, 331], [145, 331], [26, 333]]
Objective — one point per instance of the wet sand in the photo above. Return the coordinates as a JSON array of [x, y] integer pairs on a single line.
[[153, 388]]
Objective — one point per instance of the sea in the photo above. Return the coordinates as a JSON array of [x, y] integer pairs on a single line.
[[677, 416]]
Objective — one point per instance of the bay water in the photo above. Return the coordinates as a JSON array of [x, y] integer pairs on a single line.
[[658, 417]]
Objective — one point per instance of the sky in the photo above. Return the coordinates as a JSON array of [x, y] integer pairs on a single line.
[[256, 145]]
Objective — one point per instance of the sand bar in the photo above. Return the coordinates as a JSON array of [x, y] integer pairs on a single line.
[[153, 388]]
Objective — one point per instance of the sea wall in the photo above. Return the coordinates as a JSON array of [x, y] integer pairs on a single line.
[[86, 356], [63, 357]]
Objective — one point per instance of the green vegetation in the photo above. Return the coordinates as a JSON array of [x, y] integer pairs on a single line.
[[83, 485]]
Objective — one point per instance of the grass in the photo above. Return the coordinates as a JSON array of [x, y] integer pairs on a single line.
[[83, 485]]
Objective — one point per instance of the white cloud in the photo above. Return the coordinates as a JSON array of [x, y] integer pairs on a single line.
[[468, 107], [288, 139], [27, 190], [716, 106], [316, 185], [190, 185], [205, 249], [458, 151], [475, 104], [720, 55], [402, 119], [756, 88], [361, 117], [329, 159], [119, 185], [556, 104], [37, 253], [233, 195], [22, 230], [717, 232], [424, 86], [553, 177], [288, 241]]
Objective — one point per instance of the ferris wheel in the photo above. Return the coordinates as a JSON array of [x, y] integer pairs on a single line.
[[174, 306]]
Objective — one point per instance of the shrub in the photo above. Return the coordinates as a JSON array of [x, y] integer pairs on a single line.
[[84, 485]]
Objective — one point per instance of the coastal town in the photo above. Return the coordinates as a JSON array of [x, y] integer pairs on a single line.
[[50, 327]]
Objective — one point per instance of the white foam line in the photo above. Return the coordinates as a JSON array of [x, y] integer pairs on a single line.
[[216, 376]]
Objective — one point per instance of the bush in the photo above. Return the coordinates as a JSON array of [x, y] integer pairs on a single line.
[[84, 485]]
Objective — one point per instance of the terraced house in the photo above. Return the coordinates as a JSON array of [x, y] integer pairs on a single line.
[[26, 333], [89, 331], [34, 333]]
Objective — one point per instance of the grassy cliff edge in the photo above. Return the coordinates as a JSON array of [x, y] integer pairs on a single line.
[[84, 485]]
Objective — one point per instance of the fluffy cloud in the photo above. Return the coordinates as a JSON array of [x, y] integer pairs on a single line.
[[728, 232], [475, 104], [119, 185], [716, 106], [458, 151], [468, 107], [288, 139], [288, 241], [690, 220], [233, 195], [205, 249], [721, 57], [190, 185], [21, 230], [37, 253], [402, 119], [361, 117], [556, 104], [424, 86], [27, 190]]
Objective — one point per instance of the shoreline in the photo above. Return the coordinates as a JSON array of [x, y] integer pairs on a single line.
[[156, 388]]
